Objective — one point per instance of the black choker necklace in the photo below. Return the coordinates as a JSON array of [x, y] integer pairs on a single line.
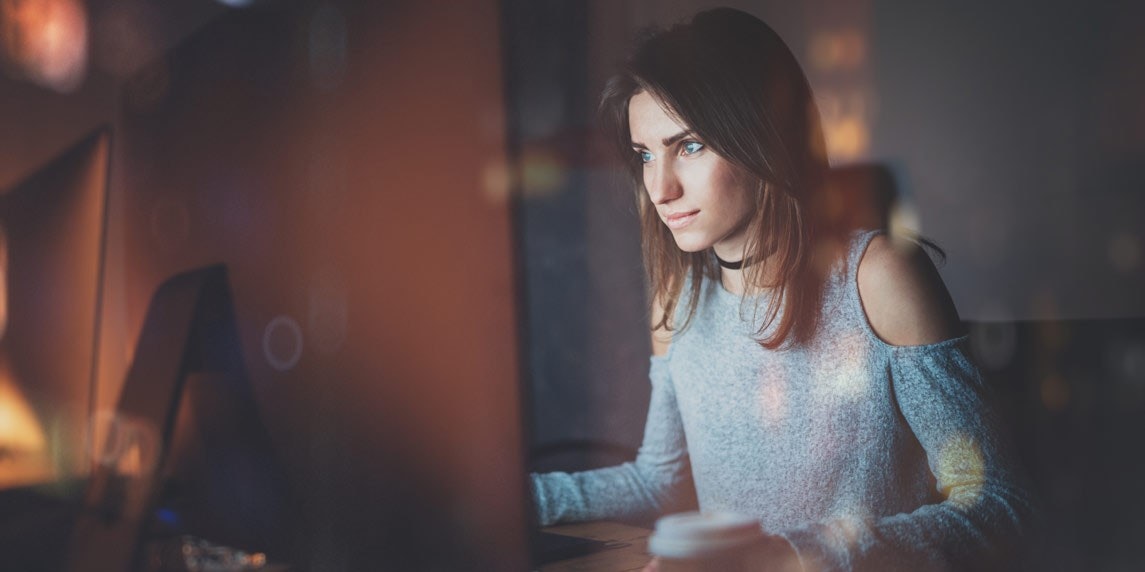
[[729, 265]]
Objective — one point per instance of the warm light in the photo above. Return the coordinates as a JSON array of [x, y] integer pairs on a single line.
[[1125, 252], [132, 447], [23, 456], [961, 470], [46, 41], [903, 221], [1055, 393], [847, 137], [542, 174], [838, 50], [772, 400]]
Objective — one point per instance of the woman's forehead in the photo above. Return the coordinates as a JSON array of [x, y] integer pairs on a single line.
[[649, 122]]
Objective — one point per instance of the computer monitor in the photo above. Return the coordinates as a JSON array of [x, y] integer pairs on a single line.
[[355, 203], [187, 452], [52, 228]]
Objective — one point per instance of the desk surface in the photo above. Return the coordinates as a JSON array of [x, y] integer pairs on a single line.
[[632, 557]]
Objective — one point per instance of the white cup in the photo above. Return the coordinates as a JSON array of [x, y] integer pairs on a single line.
[[695, 542]]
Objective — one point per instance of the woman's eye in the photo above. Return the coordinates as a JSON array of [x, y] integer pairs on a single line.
[[645, 156], [692, 147]]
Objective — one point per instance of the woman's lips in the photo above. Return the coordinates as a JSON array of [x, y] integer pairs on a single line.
[[680, 220]]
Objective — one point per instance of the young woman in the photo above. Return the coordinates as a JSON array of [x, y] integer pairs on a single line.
[[811, 376]]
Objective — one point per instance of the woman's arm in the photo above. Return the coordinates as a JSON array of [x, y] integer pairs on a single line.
[[940, 393], [658, 481]]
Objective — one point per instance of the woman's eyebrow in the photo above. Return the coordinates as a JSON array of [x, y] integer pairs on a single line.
[[667, 141]]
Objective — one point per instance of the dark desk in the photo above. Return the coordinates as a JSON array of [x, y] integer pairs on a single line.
[[628, 558]]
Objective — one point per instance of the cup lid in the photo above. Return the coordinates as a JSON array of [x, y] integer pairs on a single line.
[[696, 534]]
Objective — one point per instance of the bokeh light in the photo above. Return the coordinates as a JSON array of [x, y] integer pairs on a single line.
[[496, 181], [131, 446], [993, 343], [1054, 392], [962, 470], [838, 50], [542, 174], [46, 41], [23, 458], [282, 343], [903, 220], [772, 398], [1125, 252]]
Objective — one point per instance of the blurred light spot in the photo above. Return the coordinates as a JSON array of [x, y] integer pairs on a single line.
[[22, 444], [993, 344], [1125, 252], [496, 181], [903, 221], [1044, 306], [1127, 360], [327, 47], [961, 470], [236, 3], [46, 40], [326, 323], [847, 138], [131, 445], [1052, 334], [542, 174], [773, 401], [282, 343], [838, 50], [1055, 393], [170, 224]]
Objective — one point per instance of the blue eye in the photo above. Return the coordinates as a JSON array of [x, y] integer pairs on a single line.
[[692, 147], [645, 156]]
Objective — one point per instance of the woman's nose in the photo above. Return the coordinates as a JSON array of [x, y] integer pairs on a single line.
[[664, 186]]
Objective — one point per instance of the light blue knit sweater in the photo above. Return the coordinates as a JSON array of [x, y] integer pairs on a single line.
[[863, 455]]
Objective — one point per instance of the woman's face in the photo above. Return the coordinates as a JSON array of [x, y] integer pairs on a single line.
[[701, 197]]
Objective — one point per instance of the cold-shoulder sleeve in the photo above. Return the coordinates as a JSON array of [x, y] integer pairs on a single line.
[[658, 481], [986, 512]]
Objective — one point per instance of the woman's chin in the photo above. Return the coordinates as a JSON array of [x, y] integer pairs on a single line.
[[689, 244]]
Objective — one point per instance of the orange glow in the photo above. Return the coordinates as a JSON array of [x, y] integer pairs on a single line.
[[838, 50], [961, 470], [1055, 393], [46, 40], [1125, 252], [23, 453], [132, 445], [848, 137], [903, 220]]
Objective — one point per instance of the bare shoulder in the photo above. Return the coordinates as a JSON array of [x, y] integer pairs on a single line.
[[661, 338], [903, 295]]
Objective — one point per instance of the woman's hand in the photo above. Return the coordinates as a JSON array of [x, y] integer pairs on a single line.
[[653, 566]]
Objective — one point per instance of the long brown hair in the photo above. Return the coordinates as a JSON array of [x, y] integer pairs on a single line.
[[730, 78]]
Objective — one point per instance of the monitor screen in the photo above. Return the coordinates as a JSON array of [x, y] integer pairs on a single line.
[[51, 243]]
